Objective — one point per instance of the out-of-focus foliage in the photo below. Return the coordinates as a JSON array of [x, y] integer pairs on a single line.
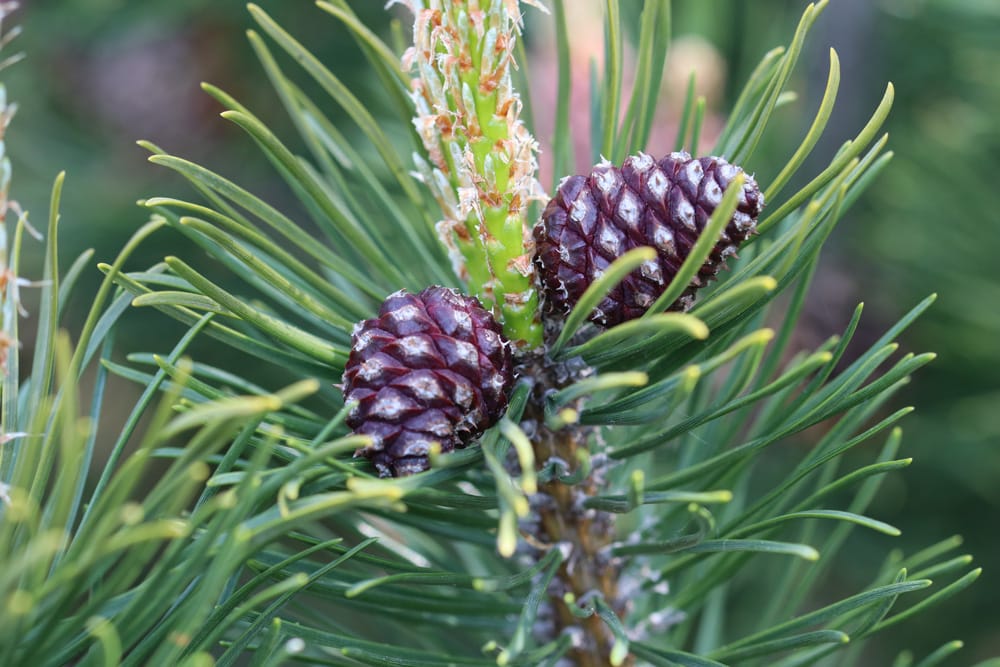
[[933, 224], [101, 74]]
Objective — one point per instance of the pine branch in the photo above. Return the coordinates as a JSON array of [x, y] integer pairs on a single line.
[[647, 468]]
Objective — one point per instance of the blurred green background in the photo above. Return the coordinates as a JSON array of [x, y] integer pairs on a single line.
[[929, 224], [102, 73]]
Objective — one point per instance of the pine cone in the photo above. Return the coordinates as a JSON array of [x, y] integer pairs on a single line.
[[433, 367], [664, 204]]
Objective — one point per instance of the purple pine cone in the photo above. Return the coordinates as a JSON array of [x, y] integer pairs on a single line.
[[665, 204], [432, 367]]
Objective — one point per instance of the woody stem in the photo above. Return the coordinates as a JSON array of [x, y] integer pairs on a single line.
[[587, 570]]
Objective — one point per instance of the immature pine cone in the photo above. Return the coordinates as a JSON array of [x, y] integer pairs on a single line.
[[433, 367], [665, 204]]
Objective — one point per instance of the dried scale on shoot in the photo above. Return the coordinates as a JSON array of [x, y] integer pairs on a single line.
[[480, 160]]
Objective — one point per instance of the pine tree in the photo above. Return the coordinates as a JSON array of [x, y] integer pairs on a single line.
[[622, 511]]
